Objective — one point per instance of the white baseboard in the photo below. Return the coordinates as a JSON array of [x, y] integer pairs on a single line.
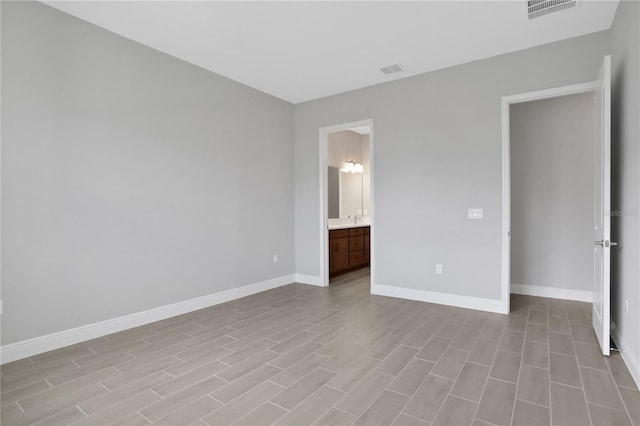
[[630, 359], [552, 292], [309, 279], [37, 345], [478, 303]]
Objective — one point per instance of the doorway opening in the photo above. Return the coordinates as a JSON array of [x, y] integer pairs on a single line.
[[552, 197], [346, 203], [556, 197]]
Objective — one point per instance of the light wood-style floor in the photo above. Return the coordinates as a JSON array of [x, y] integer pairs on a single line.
[[301, 355]]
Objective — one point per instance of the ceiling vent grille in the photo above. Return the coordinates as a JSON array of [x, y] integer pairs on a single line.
[[390, 69], [538, 8]]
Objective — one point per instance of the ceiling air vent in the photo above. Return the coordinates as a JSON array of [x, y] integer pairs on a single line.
[[390, 69], [538, 8]]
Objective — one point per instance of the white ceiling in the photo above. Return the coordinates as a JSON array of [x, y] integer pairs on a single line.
[[300, 51]]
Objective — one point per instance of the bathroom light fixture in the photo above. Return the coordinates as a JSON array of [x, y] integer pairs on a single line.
[[352, 167]]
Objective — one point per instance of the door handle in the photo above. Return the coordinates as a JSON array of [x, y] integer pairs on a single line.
[[605, 243]]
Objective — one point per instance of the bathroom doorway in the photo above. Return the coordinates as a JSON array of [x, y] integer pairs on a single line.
[[346, 202]]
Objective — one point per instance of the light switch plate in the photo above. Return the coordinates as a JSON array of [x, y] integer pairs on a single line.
[[475, 213]]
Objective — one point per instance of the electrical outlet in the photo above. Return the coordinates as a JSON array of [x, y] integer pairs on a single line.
[[626, 304], [275, 258], [439, 269]]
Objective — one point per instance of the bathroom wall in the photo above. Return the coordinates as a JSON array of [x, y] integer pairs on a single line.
[[355, 188]]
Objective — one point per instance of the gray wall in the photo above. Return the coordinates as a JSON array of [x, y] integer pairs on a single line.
[[130, 179], [437, 152], [552, 192], [625, 55]]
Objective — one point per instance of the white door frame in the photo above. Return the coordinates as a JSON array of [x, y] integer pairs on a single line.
[[324, 234], [507, 101]]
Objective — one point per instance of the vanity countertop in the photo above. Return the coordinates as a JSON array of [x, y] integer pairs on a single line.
[[347, 226]]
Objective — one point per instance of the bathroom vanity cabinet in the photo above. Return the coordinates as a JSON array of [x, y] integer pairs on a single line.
[[349, 249]]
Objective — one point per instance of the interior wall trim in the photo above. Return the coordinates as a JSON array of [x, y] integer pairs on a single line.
[[506, 103], [478, 303], [632, 363], [308, 279], [37, 345], [552, 292]]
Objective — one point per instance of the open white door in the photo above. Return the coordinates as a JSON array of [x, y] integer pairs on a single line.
[[601, 317]]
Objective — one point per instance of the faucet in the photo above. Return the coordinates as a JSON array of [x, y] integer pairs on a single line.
[[356, 217]]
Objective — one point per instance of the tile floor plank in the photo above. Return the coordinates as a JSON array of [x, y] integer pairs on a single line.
[[304, 387], [121, 410], [536, 354], [239, 407], [631, 398], [471, 382], [312, 408], [384, 410], [335, 417], [564, 369], [568, 406], [293, 373], [362, 395], [600, 388], [265, 414], [450, 363], [506, 366], [533, 385], [429, 397], [236, 388], [456, 411], [496, 405], [181, 399], [434, 348], [353, 374], [483, 352], [411, 377], [607, 416], [527, 414], [396, 360]]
